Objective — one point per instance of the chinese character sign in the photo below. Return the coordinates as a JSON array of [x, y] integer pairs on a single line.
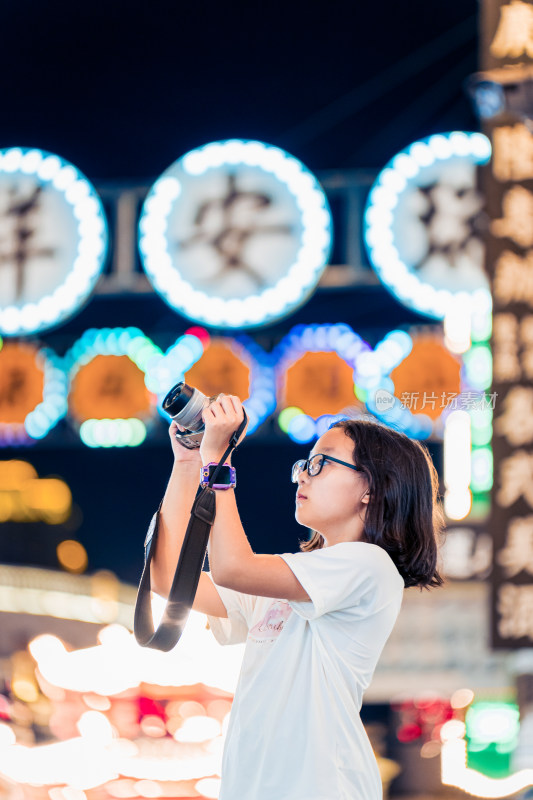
[[235, 234], [507, 33], [508, 184]]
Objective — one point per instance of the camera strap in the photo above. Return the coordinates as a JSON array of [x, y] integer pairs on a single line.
[[188, 570]]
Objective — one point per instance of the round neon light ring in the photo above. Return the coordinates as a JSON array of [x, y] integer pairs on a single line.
[[54, 241], [235, 234], [396, 238]]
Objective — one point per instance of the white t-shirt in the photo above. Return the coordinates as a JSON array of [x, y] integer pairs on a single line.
[[295, 732]]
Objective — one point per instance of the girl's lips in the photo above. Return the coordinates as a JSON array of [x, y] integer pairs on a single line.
[[301, 497]]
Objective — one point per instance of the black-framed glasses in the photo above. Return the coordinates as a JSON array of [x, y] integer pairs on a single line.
[[314, 465]]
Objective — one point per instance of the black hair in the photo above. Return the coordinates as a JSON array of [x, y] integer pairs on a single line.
[[404, 515]]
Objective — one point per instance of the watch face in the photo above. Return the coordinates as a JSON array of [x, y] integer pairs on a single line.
[[53, 240], [235, 234], [225, 476]]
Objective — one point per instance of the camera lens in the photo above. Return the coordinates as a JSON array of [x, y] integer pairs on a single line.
[[177, 398], [185, 405]]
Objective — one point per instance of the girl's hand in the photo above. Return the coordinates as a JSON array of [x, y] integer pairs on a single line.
[[181, 454], [221, 418]]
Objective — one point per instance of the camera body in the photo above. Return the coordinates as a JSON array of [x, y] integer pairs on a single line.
[[185, 405]]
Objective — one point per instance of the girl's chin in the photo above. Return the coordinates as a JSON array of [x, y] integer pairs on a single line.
[[303, 518]]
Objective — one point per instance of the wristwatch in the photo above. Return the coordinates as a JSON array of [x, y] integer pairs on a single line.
[[226, 477]]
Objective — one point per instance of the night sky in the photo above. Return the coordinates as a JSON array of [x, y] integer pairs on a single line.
[[122, 89]]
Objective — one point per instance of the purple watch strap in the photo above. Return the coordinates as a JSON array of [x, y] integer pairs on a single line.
[[206, 472]]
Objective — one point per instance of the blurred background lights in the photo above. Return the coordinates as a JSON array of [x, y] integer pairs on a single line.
[[286, 416], [285, 254], [165, 370], [95, 725], [302, 429], [461, 698], [315, 368], [112, 432], [25, 497], [69, 231], [395, 253], [208, 787], [107, 371], [229, 365], [198, 729], [457, 465], [492, 722], [34, 397], [72, 556]]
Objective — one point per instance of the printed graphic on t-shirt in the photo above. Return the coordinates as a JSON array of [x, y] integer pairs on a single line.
[[270, 627]]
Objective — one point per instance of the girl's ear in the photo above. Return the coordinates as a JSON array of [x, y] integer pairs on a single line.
[[366, 497]]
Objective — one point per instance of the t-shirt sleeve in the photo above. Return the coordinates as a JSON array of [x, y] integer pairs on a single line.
[[240, 606], [342, 576]]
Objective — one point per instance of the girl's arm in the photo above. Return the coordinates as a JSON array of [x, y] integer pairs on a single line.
[[173, 521], [232, 561]]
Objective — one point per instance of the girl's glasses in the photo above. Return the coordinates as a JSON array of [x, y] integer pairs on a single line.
[[314, 465]]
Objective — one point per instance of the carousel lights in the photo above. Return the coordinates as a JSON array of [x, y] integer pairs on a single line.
[[98, 757], [388, 409], [198, 729], [371, 366], [274, 301], [209, 787], [113, 432], [57, 175], [287, 415], [372, 376], [396, 178], [89, 762], [371, 369], [165, 370], [50, 410], [262, 400], [118, 663], [130, 342], [14, 435], [337, 338], [78, 763]]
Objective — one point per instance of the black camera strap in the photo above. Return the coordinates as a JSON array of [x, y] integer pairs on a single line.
[[188, 570]]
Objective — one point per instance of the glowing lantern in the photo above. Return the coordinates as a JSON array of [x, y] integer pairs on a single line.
[[220, 369], [109, 387], [21, 382], [427, 377], [319, 383]]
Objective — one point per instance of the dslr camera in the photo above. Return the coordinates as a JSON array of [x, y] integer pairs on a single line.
[[185, 405]]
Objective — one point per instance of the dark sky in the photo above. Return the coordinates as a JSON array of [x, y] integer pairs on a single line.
[[122, 89]]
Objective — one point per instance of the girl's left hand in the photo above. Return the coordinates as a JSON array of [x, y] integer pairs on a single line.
[[221, 418]]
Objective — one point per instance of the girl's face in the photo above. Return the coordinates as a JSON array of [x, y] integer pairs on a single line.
[[334, 501]]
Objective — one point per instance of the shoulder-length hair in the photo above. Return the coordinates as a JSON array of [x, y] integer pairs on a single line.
[[404, 515]]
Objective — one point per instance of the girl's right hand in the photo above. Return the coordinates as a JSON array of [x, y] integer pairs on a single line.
[[182, 454]]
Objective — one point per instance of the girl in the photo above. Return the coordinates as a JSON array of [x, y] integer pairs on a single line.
[[314, 622]]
